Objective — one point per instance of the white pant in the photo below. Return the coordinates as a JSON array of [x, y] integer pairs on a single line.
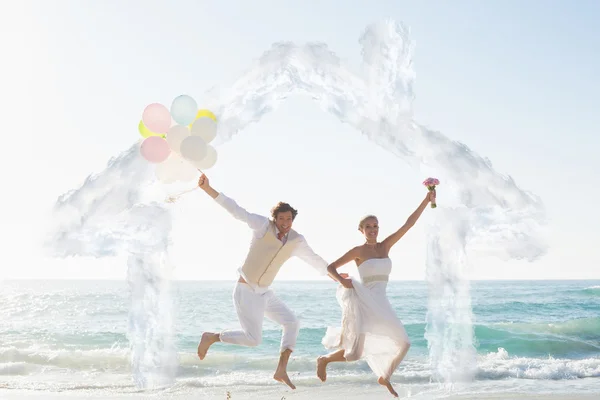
[[251, 308]]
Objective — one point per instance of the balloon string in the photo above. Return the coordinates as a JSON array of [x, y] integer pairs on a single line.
[[174, 198]]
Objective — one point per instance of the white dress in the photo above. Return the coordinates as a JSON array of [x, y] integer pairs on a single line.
[[370, 328]]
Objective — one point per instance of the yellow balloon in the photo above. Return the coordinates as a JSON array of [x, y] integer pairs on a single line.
[[204, 113], [145, 132]]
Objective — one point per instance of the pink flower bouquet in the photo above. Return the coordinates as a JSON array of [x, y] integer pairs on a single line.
[[431, 183]]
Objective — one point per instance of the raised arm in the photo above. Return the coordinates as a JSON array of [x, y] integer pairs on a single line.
[[350, 255], [394, 237], [255, 221], [308, 255]]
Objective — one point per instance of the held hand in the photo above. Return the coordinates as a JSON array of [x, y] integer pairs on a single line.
[[347, 283], [431, 196], [203, 182]]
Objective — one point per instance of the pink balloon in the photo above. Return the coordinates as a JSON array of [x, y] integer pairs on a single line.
[[155, 149], [157, 118]]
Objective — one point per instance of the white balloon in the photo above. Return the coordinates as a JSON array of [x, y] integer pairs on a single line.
[[164, 173], [176, 169], [189, 174], [209, 160], [193, 148], [206, 128], [186, 172], [176, 135]]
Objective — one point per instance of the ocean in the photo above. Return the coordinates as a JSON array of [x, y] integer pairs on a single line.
[[71, 339]]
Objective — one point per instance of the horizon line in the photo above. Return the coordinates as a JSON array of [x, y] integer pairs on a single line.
[[298, 280]]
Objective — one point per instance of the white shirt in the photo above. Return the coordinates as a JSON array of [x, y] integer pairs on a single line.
[[259, 225]]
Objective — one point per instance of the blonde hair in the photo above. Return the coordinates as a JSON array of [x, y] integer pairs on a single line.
[[364, 219]]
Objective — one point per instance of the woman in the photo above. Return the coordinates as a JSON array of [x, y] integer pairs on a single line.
[[370, 328]]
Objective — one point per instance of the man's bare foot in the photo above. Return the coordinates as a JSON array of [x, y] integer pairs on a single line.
[[388, 385], [208, 339], [322, 368], [282, 376]]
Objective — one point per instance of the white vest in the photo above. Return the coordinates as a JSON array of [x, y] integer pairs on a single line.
[[267, 255]]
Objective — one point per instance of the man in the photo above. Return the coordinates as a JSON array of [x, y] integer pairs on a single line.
[[273, 242]]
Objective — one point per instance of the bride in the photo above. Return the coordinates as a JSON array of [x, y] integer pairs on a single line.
[[370, 328]]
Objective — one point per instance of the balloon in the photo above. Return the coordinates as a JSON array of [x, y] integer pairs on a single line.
[[204, 113], [164, 174], [206, 128], [209, 160], [176, 135], [155, 149], [145, 132], [183, 109], [175, 169], [156, 118], [193, 148], [187, 172]]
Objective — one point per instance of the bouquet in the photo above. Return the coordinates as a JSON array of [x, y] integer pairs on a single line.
[[431, 183]]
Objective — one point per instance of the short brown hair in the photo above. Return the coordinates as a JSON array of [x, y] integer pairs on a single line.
[[283, 207], [364, 219]]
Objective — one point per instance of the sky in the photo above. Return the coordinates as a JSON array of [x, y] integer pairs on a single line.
[[516, 82]]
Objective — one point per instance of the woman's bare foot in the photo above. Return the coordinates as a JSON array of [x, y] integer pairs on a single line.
[[322, 368], [208, 339], [388, 385], [282, 376]]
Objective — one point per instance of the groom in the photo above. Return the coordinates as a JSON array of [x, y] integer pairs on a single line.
[[273, 242]]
